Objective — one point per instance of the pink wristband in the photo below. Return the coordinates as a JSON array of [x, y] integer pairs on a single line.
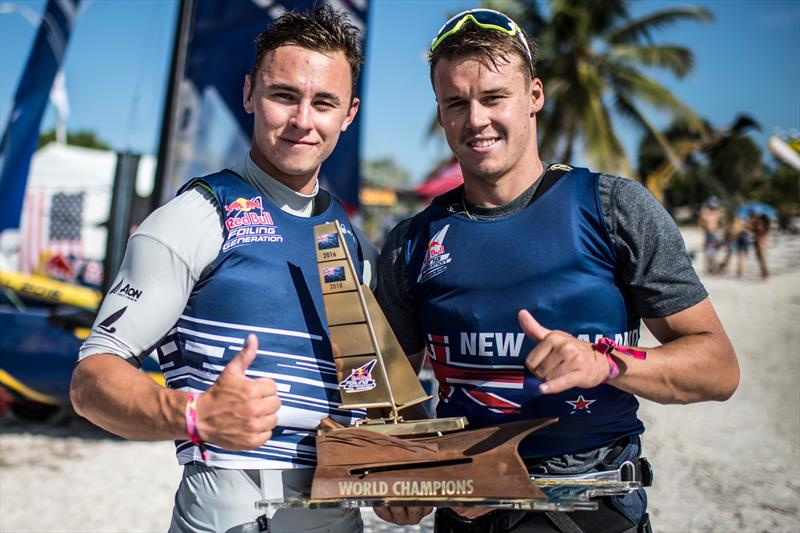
[[613, 368], [606, 345], [191, 424]]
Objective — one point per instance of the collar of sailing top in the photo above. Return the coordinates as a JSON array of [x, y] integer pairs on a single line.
[[454, 201], [281, 195]]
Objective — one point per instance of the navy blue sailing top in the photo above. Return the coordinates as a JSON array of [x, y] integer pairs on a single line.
[[264, 281], [553, 258]]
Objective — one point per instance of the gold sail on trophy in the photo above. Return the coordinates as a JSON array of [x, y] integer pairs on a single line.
[[372, 368], [387, 459]]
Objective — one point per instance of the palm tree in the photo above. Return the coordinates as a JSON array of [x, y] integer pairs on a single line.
[[683, 182], [734, 160], [590, 60]]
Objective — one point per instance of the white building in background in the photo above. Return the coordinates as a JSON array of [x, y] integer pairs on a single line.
[[80, 179]]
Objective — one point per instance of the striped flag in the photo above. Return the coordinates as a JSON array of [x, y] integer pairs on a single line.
[[51, 226]]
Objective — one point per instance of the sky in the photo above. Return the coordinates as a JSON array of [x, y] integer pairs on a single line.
[[746, 61]]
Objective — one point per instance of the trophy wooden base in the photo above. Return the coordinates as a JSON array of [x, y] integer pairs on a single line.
[[468, 465]]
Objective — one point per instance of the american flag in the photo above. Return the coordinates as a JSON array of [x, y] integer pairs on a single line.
[[51, 224]]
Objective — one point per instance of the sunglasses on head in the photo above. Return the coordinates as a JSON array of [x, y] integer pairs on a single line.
[[487, 19]]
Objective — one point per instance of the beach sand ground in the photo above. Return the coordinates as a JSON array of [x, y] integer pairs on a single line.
[[722, 467]]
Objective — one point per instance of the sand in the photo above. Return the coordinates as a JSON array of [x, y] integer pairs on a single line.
[[735, 466], [726, 467]]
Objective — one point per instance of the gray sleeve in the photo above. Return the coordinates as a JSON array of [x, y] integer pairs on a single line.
[[163, 261], [654, 265], [393, 294]]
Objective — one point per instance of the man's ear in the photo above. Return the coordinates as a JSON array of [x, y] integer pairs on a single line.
[[247, 93], [351, 114], [537, 96], [439, 114]]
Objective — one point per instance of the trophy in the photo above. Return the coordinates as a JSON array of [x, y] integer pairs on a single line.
[[388, 457], [389, 460]]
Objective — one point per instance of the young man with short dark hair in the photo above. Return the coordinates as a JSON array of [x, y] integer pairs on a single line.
[[229, 266], [527, 286]]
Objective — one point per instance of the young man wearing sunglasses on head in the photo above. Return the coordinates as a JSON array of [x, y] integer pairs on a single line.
[[527, 286], [227, 293]]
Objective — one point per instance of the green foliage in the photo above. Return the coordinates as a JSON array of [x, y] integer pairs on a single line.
[[691, 186], [651, 156], [86, 139], [724, 162], [385, 173], [778, 186], [736, 163]]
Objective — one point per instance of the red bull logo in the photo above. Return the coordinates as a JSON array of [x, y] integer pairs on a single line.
[[243, 205], [435, 248], [360, 379], [244, 212], [436, 259]]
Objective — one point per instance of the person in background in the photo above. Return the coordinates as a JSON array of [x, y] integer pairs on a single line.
[[759, 227], [222, 284], [738, 238], [528, 283], [710, 222]]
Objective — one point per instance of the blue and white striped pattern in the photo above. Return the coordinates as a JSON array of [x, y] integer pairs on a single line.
[[269, 288], [307, 387]]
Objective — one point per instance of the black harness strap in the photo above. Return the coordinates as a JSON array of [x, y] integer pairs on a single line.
[[564, 523]]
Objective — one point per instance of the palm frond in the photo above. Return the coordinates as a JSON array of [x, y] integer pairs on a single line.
[[641, 28], [553, 125], [601, 144], [632, 82], [555, 88], [627, 108], [744, 122], [677, 59]]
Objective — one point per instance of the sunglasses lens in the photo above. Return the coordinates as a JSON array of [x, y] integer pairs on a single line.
[[484, 18], [448, 26], [481, 16], [494, 19]]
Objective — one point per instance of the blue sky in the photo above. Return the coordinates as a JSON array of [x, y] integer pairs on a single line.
[[746, 61]]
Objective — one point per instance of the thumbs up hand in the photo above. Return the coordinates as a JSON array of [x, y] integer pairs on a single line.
[[560, 360], [239, 413]]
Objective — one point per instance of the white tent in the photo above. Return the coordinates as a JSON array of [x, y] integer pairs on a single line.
[[63, 172]]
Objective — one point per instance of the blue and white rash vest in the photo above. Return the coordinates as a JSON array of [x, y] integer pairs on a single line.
[[264, 281], [471, 277]]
